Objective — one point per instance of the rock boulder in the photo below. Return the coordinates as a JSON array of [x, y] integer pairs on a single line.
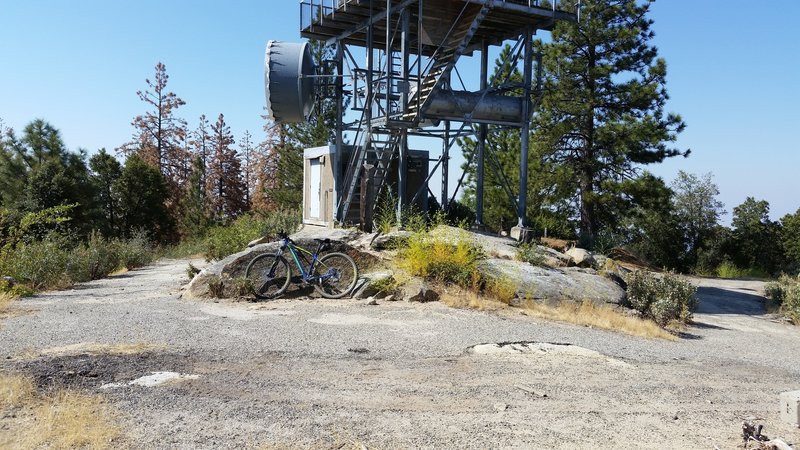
[[416, 290], [553, 286], [581, 258]]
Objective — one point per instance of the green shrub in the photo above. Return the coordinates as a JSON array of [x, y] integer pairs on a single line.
[[441, 259], [385, 216], [242, 287], [15, 290], [94, 259], [187, 247], [56, 262], [662, 299], [786, 294], [503, 289], [384, 285], [531, 254], [729, 270], [191, 271], [222, 241], [39, 264], [135, 251], [606, 241], [216, 287]]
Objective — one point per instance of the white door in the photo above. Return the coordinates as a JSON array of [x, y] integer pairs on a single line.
[[315, 188]]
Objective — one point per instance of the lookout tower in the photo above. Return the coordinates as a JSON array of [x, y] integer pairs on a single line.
[[395, 80]]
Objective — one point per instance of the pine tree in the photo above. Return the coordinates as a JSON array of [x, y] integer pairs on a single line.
[[602, 109], [790, 240], [159, 136], [225, 186], [264, 168], [40, 173], [200, 149], [248, 158], [756, 237], [13, 170], [142, 193], [698, 211], [194, 218], [105, 171]]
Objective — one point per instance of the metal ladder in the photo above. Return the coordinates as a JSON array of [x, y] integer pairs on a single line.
[[445, 58], [374, 151]]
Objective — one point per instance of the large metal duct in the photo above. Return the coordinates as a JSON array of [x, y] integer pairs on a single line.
[[289, 81], [490, 108]]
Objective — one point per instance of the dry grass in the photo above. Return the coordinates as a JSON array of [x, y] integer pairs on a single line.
[[6, 299], [59, 420], [587, 314], [584, 314], [119, 272], [15, 391], [457, 297]]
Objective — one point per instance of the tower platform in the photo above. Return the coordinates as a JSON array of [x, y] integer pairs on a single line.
[[347, 20]]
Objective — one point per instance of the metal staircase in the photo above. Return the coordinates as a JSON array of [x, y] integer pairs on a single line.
[[446, 56], [372, 156]]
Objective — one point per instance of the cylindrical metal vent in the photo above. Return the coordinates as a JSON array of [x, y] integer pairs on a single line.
[[288, 81], [491, 108]]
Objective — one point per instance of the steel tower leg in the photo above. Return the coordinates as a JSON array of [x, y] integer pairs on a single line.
[[482, 133], [338, 156], [525, 130], [445, 164], [402, 171]]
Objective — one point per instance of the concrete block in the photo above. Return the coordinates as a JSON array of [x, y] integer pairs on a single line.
[[521, 234], [790, 407]]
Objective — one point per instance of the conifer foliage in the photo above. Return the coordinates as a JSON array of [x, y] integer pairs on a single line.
[[602, 110], [159, 136], [225, 187]]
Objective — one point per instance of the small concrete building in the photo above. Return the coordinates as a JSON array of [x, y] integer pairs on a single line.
[[320, 190]]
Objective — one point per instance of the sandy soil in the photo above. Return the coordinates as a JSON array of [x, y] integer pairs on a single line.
[[341, 374]]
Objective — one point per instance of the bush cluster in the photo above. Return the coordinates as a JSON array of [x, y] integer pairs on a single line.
[[441, 259], [531, 254], [786, 294], [662, 299], [56, 262], [222, 241], [729, 270]]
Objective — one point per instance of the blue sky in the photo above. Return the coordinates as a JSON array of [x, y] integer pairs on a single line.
[[734, 68]]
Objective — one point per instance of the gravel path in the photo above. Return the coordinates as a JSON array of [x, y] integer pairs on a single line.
[[326, 373]]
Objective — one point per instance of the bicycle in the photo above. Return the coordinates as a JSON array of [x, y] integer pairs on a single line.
[[334, 275]]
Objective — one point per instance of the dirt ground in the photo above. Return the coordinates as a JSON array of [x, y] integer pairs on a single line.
[[346, 374]]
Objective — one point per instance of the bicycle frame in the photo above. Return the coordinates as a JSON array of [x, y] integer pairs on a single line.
[[293, 250]]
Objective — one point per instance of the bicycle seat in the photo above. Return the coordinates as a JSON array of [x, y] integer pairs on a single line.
[[323, 241]]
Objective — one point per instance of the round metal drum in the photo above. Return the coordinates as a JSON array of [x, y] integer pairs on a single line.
[[288, 81]]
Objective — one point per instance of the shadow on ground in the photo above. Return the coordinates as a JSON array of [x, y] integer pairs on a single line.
[[714, 300]]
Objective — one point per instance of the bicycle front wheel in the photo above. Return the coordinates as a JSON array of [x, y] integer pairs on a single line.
[[269, 275], [335, 275]]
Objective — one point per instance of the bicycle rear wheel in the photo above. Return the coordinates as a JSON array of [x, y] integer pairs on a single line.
[[336, 274], [269, 275]]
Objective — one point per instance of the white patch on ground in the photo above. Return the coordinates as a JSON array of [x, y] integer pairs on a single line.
[[240, 313], [358, 319], [540, 348], [154, 379]]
